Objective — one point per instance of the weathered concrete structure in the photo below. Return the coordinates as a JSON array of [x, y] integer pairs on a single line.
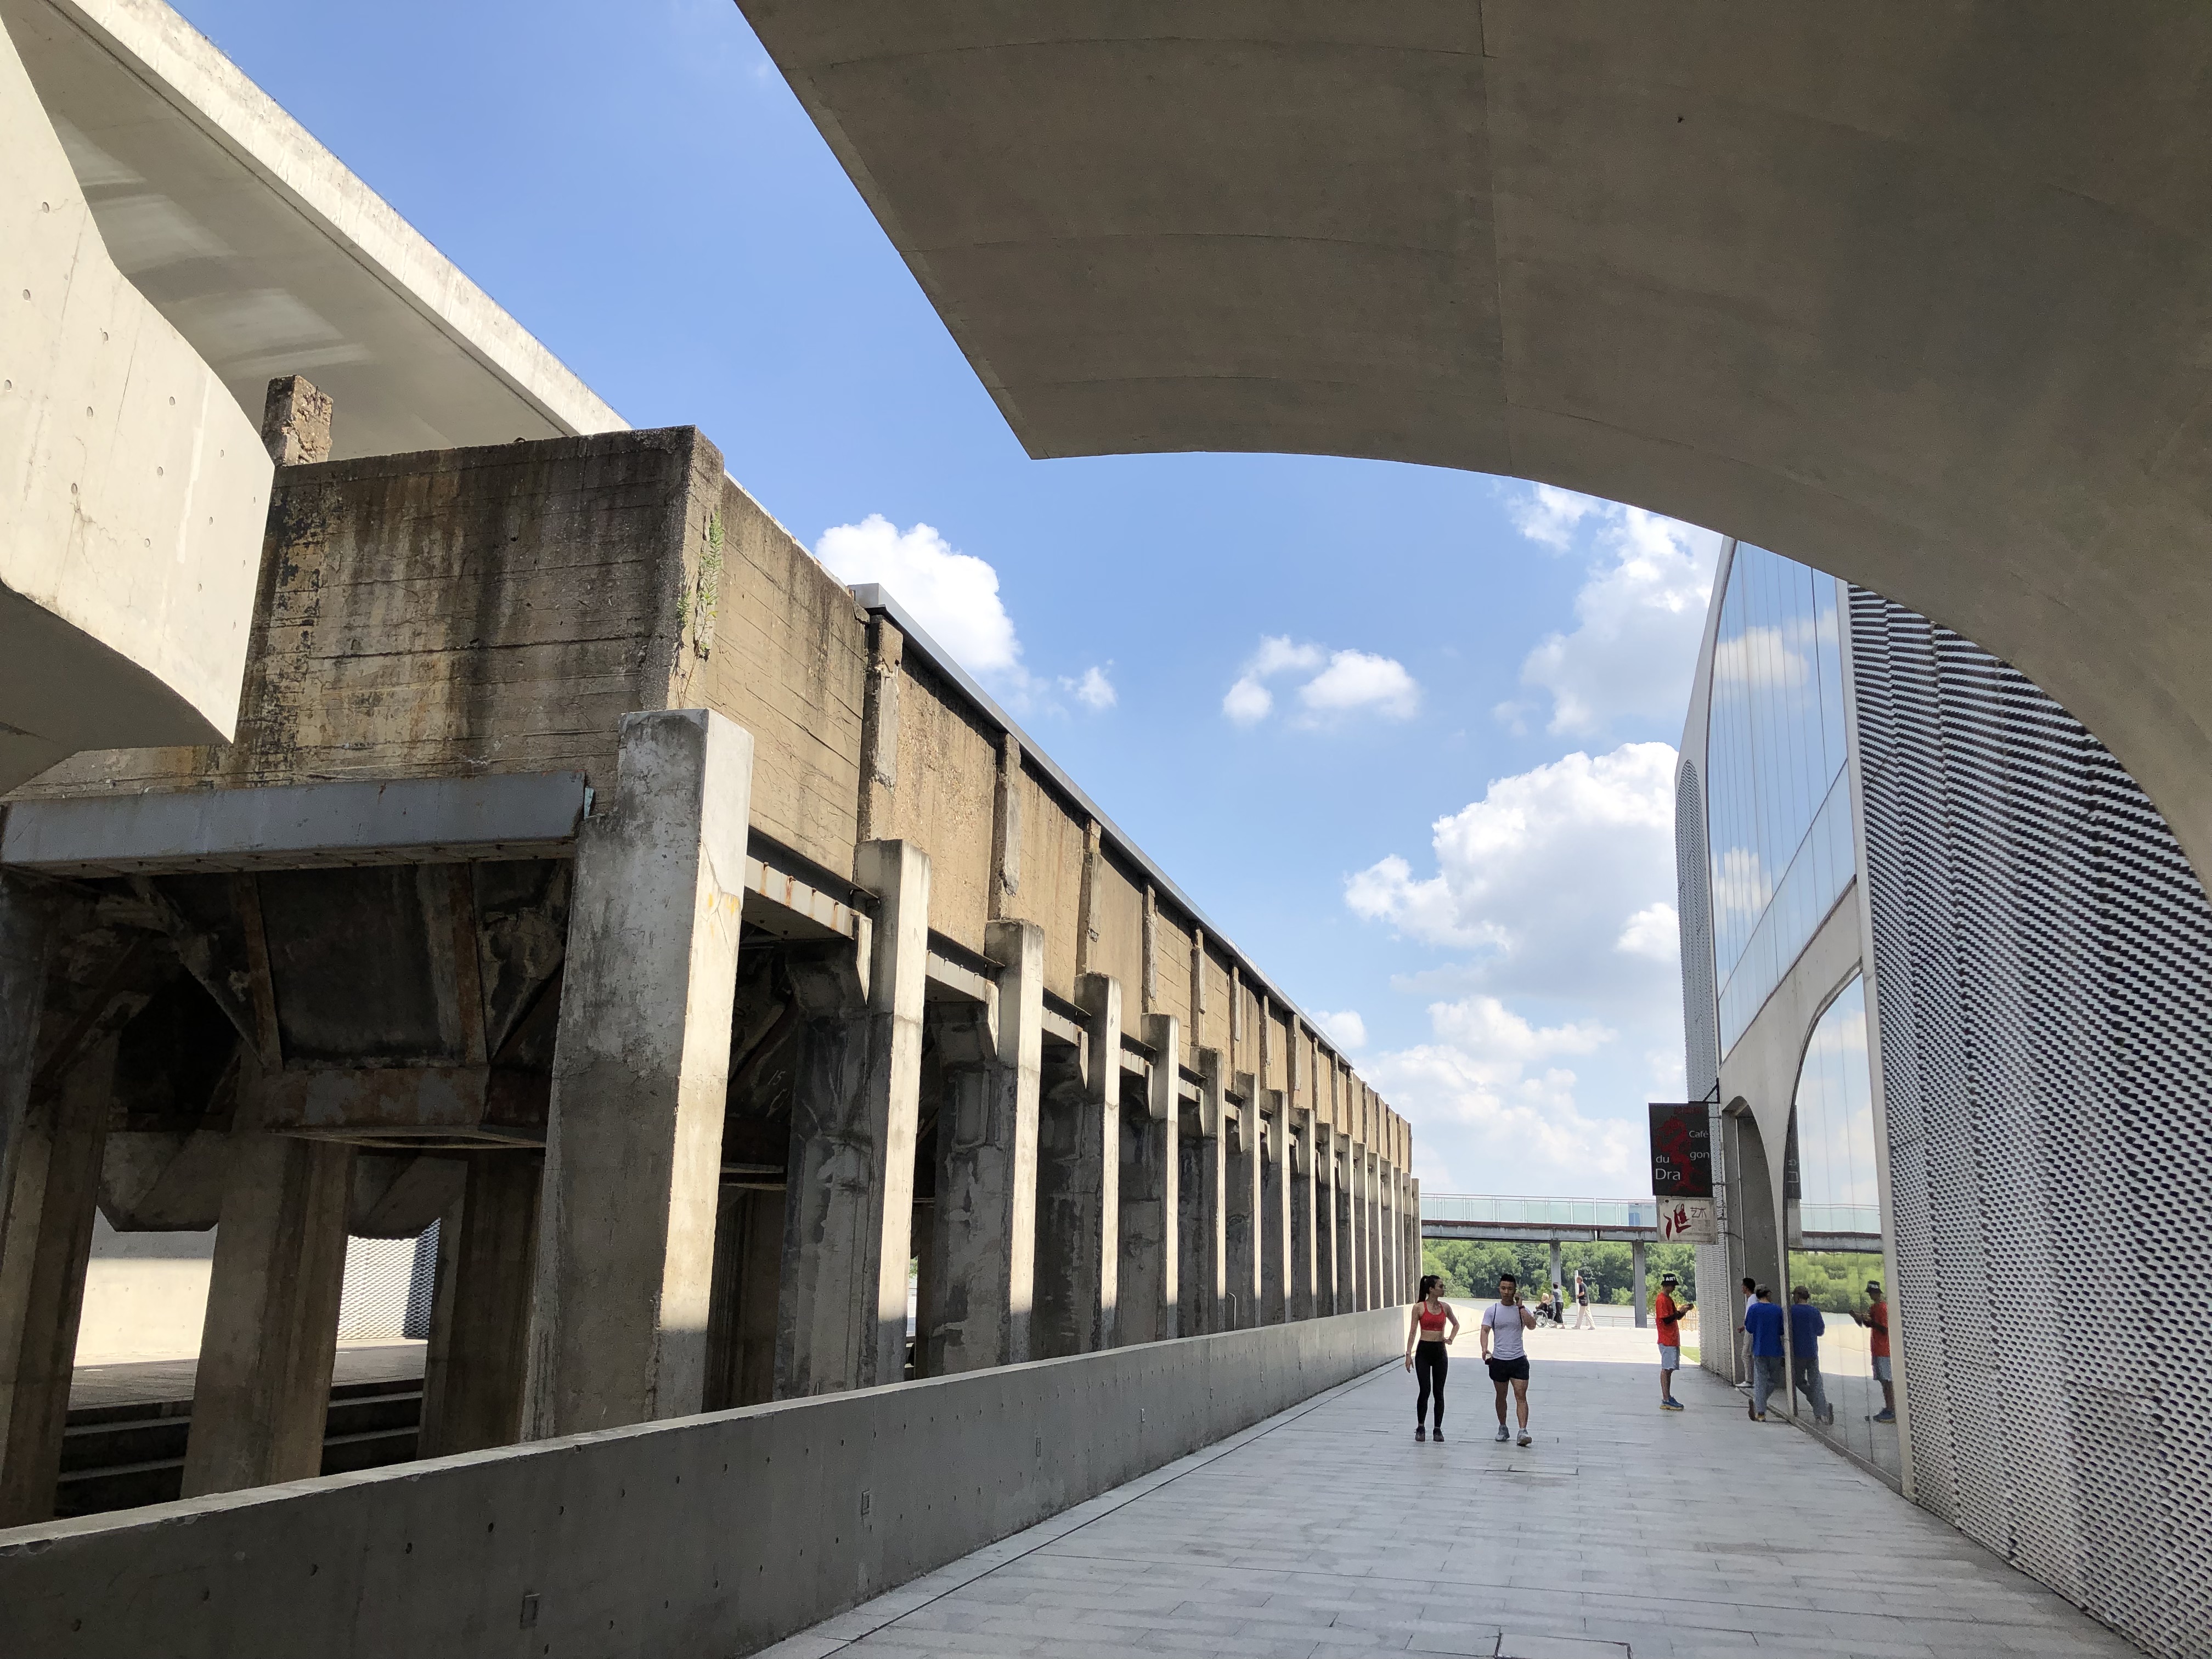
[[595, 872]]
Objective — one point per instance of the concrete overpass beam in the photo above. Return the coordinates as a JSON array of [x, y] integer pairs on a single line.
[[54, 1163], [1149, 1195], [633, 1151], [476, 1370], [264, 1383], [1079, 1187], [848, 1210], [983, 1241], [1202, 1201]]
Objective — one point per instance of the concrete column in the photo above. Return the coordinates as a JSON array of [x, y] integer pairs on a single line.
[[1414, 1236], [1079, 1188], [1386, 1237], [855, 1109], [1150, 1183], [477, 1366], [1636, 1295], [1556, 1267], [264, 1385], [1324, 1220], [1282, 1287], [983, 1244], [1357, 1252], [1202, 1199], [1303, 1299], [45, 1239], [1377, 1234], [748, 1282], [640, 1071], [1242, 1302]]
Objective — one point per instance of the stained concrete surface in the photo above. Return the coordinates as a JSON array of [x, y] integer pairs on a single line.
[[1327, 1528]]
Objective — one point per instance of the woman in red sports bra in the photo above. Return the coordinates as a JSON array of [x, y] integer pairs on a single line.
[[1426, 1336]]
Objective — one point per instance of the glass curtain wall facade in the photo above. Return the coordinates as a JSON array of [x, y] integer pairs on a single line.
[[1836, 1176], [1778, 796]]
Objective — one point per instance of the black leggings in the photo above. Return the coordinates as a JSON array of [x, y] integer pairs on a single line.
[[1430, 1357]]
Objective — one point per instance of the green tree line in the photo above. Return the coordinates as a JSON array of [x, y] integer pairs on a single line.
[[1470, 1269]]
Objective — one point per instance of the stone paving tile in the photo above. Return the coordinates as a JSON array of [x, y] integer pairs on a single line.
[[1621, 1534]]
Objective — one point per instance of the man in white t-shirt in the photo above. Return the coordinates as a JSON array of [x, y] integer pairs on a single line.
[[1504, 1350], [1583, 1322]]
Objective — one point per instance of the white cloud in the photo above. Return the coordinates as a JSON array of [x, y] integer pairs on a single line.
[[1512, 1121], [1247, 703], [1343, 684], [1548, 514], [1093, 690], [1355, 680], [1346, 1030], [1558, 886], [1639, 615], [1653, 931], [1544, 872], [954, 596]]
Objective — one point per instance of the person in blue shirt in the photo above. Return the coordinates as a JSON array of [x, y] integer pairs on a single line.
[[1806, 1326], [1762, 1323]]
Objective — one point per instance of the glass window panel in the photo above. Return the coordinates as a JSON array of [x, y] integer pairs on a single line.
[[1777, 810]]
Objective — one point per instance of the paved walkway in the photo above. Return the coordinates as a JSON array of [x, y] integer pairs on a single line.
[[1327, 1530]]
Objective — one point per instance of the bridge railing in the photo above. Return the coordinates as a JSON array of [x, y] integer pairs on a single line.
[[1540, 1212]]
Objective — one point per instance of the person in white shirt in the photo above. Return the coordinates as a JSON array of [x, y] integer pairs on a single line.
[[1504, 1351]]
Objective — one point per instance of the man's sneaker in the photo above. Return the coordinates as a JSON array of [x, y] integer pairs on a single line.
[[1504, 1433], [1524, 1436], [1828, 1416], [1885, 1415], [1420, 1431], [1670, 1405]]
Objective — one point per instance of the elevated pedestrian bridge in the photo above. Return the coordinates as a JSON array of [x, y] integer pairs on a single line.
[[1508, 1220]]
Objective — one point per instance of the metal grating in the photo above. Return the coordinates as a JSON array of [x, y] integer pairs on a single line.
[[2043, 953]]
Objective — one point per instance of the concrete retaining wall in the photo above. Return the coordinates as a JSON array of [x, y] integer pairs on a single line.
[[709, 1535]]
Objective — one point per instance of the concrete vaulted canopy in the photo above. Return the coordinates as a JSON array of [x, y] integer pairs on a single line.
[[1919, 294]]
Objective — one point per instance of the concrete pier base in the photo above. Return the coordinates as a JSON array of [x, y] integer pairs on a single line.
[[264, 1383], [849, 1202], [982, 1265], [50, 1196], [476, 1372], [1079, 1189], [626, 1237], [1151, 1185], [1202, 1203]]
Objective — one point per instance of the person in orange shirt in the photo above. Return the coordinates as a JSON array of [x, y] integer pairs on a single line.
[[1877, 1319], [1668, 1313]]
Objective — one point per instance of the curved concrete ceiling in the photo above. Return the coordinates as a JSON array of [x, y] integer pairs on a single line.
[[1921, 294]]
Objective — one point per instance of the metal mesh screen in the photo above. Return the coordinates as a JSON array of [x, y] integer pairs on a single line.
[[388, 1287], [2043, 954]]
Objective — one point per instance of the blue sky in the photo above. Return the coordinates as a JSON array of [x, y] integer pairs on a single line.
[[1449, 820]]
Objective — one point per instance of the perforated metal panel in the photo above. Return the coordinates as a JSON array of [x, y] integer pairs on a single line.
[[2043, 953]]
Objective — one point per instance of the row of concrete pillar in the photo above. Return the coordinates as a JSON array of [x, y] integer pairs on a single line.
[[615, 1278]]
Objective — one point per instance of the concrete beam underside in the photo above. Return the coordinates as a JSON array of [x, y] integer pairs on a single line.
[[1670, 257]]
